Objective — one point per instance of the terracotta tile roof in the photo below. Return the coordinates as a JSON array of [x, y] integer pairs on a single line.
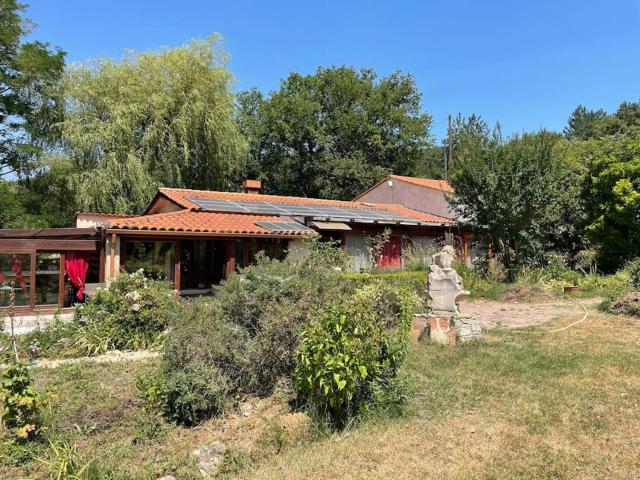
[[203, 222], [181, 197], [442, 185]]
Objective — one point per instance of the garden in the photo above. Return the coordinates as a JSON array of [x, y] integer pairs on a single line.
[[290, 354]]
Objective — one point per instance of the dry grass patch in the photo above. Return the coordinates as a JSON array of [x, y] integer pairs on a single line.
[[525, 404]]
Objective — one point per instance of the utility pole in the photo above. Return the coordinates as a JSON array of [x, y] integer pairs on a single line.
[[450, 160]]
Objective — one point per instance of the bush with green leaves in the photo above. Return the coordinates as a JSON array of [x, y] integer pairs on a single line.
[[20, 402], [273, 301], [633, 269], [347, 356], [203, 364], [130, 314]]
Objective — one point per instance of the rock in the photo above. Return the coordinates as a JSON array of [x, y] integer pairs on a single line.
[[208, 457], [246, 408], [467, 327]]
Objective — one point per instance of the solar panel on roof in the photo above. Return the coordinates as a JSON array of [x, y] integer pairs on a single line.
[[362, 215]]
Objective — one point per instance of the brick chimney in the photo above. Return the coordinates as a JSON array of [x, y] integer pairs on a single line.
[[252, 186]]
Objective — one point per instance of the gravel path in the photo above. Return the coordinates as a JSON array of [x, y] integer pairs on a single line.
[[109, 357], [513, 314]]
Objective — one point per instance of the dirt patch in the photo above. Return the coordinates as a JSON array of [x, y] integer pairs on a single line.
[[524, 293], [517, 314]]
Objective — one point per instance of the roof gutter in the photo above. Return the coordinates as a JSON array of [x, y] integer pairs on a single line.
[[180, 233]]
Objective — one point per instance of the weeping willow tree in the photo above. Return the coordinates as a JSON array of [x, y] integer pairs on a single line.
[[154, 119]]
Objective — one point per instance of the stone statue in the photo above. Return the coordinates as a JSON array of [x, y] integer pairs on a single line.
[[444, 324], [445, 285]]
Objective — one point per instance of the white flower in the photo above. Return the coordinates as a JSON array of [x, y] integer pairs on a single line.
[[133, 296], [135, 307]]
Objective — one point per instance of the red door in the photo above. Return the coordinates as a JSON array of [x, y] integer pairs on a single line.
[[391, 256]]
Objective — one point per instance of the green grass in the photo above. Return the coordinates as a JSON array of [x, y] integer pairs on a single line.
[[520, 404]]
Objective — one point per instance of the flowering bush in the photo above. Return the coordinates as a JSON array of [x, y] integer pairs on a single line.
[[130, 313]]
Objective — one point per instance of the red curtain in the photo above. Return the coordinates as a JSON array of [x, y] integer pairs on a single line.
[[76, 265], [16, 266]]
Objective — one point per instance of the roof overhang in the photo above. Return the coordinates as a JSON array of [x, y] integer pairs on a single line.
[[331, 226], [179, 233]]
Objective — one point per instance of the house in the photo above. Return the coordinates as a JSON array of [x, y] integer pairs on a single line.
[[198, 238], [425, 195]]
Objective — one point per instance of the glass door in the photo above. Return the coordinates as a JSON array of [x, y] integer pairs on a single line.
[[47, 278]]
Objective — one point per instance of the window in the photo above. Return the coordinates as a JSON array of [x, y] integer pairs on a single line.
[[157, 259], [15, 271], [47, 278]]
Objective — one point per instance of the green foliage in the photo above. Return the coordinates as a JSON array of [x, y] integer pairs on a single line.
[[612, 196], [633, 269], [20, 402], [335, 132], [52, 340], [415, 282], [65, 463], [130, 314], [155, 118], [511, 193], [29, 105], [202, 364], [273, 300], [586, 124], [345, 355]]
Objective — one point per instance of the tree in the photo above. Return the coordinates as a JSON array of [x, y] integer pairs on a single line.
[[585, 124], [612, 196], [160, 118], [509, 194], [334, 133], [29, 72]]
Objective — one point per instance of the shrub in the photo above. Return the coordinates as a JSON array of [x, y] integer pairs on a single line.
[[625, 304], [415, 281], [202, 363], [345, 357], [273, 301], [20, 402], [65, 463], [633, 269], [129, 314], [51, 340]]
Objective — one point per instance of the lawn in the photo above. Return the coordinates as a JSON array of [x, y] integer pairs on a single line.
[[520, 404]]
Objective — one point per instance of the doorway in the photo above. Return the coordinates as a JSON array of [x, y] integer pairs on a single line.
[[202, 263]]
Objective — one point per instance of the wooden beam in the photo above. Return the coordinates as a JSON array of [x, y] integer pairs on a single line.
[[245, 253], [46, 233], [102, 264], [112, 259], [14, 245], [176, 265], [231, 258], [61, 281], [32, 281]]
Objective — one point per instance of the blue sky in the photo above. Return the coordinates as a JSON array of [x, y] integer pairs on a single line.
[[525, 64]]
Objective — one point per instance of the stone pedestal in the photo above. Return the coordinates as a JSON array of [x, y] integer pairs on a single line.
[[419, 324], [467, 328], [441, 330]]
